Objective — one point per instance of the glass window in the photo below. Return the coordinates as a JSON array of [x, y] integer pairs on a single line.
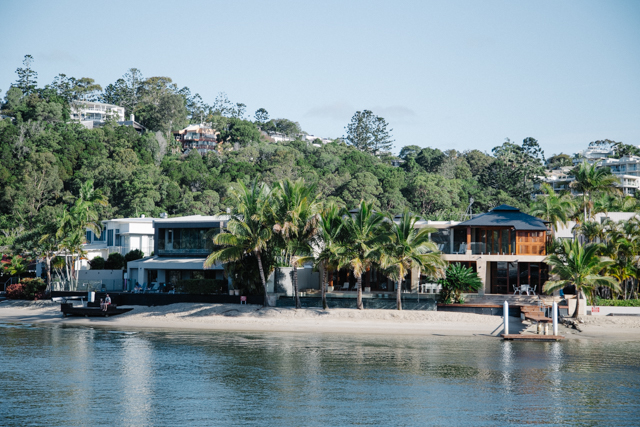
[[496, 242], [524, 273], [88, 236], [534, 272], [513, 274], [460, 240], [504, 242], [442, 240]]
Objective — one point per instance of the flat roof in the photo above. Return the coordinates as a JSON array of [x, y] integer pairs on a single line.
[[130, 219], [192, 219]]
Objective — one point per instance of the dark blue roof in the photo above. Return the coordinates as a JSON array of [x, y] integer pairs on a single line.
[[506, 216]]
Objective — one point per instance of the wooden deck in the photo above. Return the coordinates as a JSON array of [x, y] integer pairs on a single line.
[[531, 337]]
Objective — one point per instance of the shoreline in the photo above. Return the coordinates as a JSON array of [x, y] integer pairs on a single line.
[[255, 318]]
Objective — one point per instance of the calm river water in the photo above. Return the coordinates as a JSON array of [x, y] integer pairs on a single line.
[[71, 376]]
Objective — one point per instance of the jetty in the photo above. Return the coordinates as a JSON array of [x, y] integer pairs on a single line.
[[536, 314]]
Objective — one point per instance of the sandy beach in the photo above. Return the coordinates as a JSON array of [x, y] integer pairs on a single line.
[[232, 317]]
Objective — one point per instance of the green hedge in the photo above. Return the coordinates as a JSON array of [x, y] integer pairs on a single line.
[[618, 302], [201, 286]]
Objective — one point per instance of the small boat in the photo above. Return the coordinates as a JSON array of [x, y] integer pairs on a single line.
[[68, 309]]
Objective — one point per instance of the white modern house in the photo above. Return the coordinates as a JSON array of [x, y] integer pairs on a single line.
[[626, 169], [95, 114], [120, 235], [96, 111], [180, 246]]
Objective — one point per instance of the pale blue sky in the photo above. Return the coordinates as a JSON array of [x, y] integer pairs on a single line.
[[446, 74]]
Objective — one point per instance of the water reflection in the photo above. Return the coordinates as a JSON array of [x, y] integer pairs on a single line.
[[81, 376]]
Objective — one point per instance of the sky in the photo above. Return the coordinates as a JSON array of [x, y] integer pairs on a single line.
[[444, 74]]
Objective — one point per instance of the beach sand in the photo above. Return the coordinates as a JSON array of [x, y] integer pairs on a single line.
[[254, 318]]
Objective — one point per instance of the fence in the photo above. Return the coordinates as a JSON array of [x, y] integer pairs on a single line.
[[88, 285]]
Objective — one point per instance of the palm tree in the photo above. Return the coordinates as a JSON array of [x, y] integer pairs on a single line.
[[552, 207], [296, 222], [589, 180], [248, 230], [458, 279], [581, 267], [15, 266], [83, 212], [407, 248], [591, 230], [329, 238], [364, 232]]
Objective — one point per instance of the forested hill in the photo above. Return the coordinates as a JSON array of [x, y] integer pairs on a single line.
[[44, 157]]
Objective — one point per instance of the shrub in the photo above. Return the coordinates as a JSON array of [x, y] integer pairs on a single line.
[[458, 279], [34, 288], [27, 289], [618, 302], [114, 262], [201, 286], [132, 256], [97, 263], [15, 291]]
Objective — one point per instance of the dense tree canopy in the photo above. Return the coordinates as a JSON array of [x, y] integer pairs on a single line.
[[44, 157]]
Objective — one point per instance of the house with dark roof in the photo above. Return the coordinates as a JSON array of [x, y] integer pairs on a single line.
[[505, 246]]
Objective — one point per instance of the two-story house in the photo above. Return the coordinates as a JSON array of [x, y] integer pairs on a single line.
[[120, 235], [505, 246], [198, 137], [181, 246]]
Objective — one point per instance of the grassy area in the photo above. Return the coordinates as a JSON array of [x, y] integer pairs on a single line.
[[618, 302]]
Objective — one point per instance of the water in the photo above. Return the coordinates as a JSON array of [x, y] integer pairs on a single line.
[[73, 376]]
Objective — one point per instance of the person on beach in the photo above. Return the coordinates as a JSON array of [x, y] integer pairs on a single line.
[[107, 302]]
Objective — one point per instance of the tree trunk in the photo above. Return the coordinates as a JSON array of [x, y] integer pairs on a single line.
[[578, 295], [359, 286], [264, 282], [295, 283], [48, 266], [399, 295], [323, 287]]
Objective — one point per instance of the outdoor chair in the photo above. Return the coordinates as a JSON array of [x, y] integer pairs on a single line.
[[533, 290], [516, 288], [463, 248], [345, 286], [155, 288]]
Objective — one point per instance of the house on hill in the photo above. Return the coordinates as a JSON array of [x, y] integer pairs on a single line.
[[200, 137]]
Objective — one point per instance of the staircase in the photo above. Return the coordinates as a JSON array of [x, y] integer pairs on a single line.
[[513, 300]]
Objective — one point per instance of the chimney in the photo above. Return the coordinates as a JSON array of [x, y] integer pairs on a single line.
[[133, 118]]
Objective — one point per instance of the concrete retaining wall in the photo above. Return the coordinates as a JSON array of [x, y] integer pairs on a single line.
[[605, 311]]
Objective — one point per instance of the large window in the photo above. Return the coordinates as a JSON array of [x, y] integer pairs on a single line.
[[442, 239], [499, 241], [186, 240]]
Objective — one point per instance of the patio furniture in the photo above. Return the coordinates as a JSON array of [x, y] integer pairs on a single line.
[[533, 290], [345, 286], [516, 288], [462, 249]]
